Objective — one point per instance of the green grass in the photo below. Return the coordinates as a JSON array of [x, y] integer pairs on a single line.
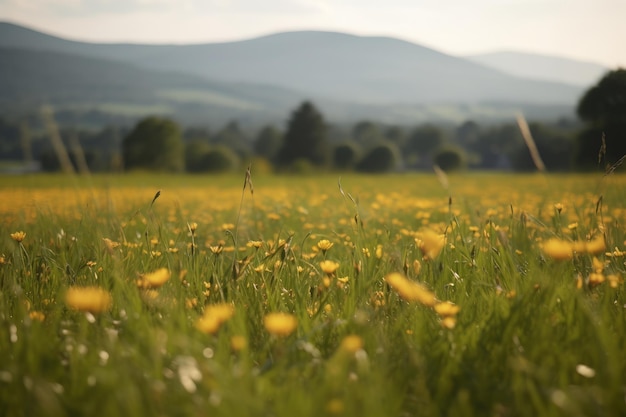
[[527, 340]]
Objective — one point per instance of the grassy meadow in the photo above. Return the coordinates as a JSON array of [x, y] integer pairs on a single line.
[[403, 295]]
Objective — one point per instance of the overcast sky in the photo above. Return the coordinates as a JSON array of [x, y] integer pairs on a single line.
[[590, 30]]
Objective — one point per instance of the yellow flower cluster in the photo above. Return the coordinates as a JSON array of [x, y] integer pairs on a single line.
[[214, 316], [598, 276], [415, 292], [560, 249]]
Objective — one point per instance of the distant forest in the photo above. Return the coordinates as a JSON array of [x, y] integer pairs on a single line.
[[366, 146]]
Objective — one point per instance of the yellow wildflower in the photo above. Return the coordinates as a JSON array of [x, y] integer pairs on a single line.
[[280, 324], [18, 236], [596, 246], [214, 316], [351, 344], [90, 299], [430, 243], [216, 249], [254, 244], [448, 322], [37, 315], [446, 309], [238, 343], [154, 279], [614, 280], [596, 279], [558, 249], [598, 265], [417, 267], [329, 267], [409, 290], [324, 245], [109, 244]]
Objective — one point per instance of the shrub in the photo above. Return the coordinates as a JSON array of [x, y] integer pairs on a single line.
[[346, 155], [381, 158], [220, 159], [450, 158]]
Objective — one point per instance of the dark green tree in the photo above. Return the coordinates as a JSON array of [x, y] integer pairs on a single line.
[[467, 133], [381, 158], [202, 134], [195, 151], [346, 155], [268, 143], [230, 135], [306, 137], [397, 135], [366, 133], [450, 158], [603, 108], [421, 143], [494, 147], [154, 144], [220, 159]]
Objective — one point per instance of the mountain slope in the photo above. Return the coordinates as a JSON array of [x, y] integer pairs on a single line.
[[542, 67], [374, 70], [31, 78]]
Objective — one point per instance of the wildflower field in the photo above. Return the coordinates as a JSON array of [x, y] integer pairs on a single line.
[[405, 295]]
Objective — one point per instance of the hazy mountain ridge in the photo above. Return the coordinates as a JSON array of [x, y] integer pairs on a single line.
[[351, 76], [543, 67]]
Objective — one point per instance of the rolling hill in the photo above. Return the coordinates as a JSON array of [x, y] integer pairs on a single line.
[[29, 78], [352, 77]]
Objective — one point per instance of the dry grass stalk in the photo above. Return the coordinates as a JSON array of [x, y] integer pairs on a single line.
[[81, 161], [602, 151], [530, 143], [55, 139], [441, 176]]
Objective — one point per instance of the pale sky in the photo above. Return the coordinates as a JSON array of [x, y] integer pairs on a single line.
[[589, 30]]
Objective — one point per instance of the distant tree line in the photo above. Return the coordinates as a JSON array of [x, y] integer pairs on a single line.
[[309, 144]]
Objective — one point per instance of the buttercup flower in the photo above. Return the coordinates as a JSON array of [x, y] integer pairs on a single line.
[[351, 344], [154, 279], [558, 249], [324, 245], [409, 290], [329, 267], [214, 316], [430, 243], [254, 244], [89, 299], [446, 309], [18, 236], [280, 324]]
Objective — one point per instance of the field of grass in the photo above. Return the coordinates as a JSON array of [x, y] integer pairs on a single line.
[[400, 295]]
